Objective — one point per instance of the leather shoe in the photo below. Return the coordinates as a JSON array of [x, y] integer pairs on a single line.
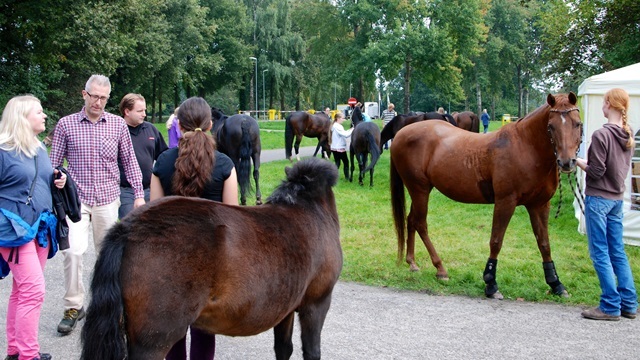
[[597, 314], [70, 319], [628, 315]]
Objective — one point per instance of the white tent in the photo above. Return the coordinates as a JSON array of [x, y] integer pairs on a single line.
[[591, 92]]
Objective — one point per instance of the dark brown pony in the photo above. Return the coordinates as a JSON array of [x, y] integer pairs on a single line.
[[516, 165], [230, 270], [365, 141], [238, 136], [467, 120], [301, 123], [390, 130]]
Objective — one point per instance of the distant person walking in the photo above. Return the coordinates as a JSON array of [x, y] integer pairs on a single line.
[[387, 115], [485, 120], [609, 159], [92, 141]]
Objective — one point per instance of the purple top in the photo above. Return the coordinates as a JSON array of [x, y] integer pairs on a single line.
[[174, 133]]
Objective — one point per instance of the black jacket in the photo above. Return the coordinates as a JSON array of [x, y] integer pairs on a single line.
[[66, 202]]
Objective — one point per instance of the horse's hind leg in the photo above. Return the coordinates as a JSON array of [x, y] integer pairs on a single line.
[[256, 176], [539, 217], [362, 164], [311, 323], [417, 221], [282, 334], [297, 146]]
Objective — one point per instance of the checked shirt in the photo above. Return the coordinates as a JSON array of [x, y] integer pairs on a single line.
[[92, 151]]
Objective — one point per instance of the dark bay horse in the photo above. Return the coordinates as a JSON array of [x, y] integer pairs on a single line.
[[467, 120], [301, 123], [365, 141], [238, 136], [229, 270], [390, 130], [516, 165]]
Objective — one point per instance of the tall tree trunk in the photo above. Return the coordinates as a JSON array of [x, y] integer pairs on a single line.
[[519, 73], [526, 101], [176, 96], [407, 83], [160, 101], [153, 98], [478, 97]]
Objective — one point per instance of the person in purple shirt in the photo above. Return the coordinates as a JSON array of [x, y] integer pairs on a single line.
[[173, 129], [92, 141]]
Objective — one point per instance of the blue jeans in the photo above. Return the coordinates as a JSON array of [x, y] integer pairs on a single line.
[[127, 198], [604, 231]]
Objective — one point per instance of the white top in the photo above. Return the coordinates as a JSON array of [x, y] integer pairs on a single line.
[[339, 137]]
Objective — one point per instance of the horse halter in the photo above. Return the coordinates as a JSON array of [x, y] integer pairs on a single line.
[[562, 114]]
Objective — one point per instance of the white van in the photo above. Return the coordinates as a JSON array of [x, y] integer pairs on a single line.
[[372, 109]]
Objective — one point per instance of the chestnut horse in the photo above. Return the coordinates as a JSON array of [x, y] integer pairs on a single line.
[[301, 123], [230, 270], [467, 120], [390, 130], [516, 165], [238, 137], [365, 141]]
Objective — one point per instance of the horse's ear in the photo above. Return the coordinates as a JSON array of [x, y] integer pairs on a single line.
[[551, 100], [287, 170], [573, 99]]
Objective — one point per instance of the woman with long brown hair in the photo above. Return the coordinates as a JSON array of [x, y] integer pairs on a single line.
[[195, 169]]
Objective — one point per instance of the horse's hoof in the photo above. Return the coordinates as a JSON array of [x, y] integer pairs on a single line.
[[413, 268], [564, 293], [258, 202], [496, 295], [442, 277]]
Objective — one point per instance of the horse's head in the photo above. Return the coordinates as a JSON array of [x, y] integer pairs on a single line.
[[218, 118], [356, 116], [565, 129]]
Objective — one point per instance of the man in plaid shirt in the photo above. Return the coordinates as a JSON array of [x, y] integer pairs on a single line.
[[92, 141]]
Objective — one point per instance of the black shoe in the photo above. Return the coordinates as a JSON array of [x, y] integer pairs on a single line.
[[43, 356], [71, 317], [12, 357], [628, 315]]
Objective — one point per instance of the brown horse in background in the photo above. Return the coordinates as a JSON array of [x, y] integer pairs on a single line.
[[301, 123], [467, 120], [390, 130], [229, 270], [516, 165]]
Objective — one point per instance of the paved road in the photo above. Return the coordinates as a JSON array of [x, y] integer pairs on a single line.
[[379, 323]]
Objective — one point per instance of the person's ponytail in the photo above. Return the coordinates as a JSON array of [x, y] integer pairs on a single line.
[[196, 149]]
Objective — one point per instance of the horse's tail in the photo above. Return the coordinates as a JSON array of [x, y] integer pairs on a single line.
[[398, 206], [374, 150], [244, 168], [288, 136], [103, 335]]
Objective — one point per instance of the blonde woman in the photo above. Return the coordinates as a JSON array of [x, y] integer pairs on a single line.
[[173, 129], [26, 176], [607, 168]]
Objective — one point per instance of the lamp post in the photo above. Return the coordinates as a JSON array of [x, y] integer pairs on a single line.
[[255, 89], [264, 99]]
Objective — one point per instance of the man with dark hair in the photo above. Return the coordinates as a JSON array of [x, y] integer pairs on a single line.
[[148, 143]]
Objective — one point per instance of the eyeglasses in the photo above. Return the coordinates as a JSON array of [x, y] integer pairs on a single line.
[[96, 97]]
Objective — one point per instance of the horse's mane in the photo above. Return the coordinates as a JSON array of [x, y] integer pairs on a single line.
[[308, 179]]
